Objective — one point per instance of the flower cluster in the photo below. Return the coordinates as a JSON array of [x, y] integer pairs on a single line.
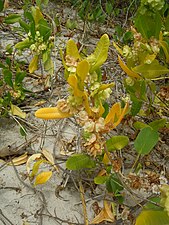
[[92, 132], [142, 51], [39, 45], [155, 5]]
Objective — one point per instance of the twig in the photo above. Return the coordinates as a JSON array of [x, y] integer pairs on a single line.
[[42, 199], [11, 188], [124, 24], [43, 136], [83, 203], [4, 217], [13, 150]]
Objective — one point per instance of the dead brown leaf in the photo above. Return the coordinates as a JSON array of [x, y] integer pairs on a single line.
[[106, 214]]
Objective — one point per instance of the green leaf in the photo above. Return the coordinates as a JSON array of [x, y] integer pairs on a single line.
[[41, 2], [152, 70], [139, 125], [32, 29], [144, 22], [152, 217], [146, 140], [113, 184], [150, 205], [24, 25], [44, 29], [45, 56], [2, 66], [109, 8], [79, 161], [128, 37], [8, 61], [167, 23], [136, 105], [117, 143], [165, 47], [100, 179], [106, 110], [1, 5], [157, 124], [23, 44], [23, 131], [19, 77], [48, 66], [12, 18], [100, 54], [8, 77], [71, 24]]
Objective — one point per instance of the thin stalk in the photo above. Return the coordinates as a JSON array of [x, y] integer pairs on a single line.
[[86, 222]]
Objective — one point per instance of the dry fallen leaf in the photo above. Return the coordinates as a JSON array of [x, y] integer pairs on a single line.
[[50, 158], [16, 111], [25, 223], [20, 160], [40, 103], [43, 177], [105, 214]]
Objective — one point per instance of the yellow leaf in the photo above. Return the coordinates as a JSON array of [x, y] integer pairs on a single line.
[[101, 109], [63, 60], [31, 159], [86, 104], [165, 197], [149, 58], [129, 72], [51, 113], [37, 15], [152, 217], [105, 86], [20, 160], [83, 69], [160, 36], [114, 111], [105, 215], [43, 177], [121, 116], [49, 157], [33, 64], [72, 50], [25, 223], [36, 167], [40, 103], [106, 159], [73, 82], [100, 54], [165, 47], [15, 110], [120, 51], [116, 115]]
